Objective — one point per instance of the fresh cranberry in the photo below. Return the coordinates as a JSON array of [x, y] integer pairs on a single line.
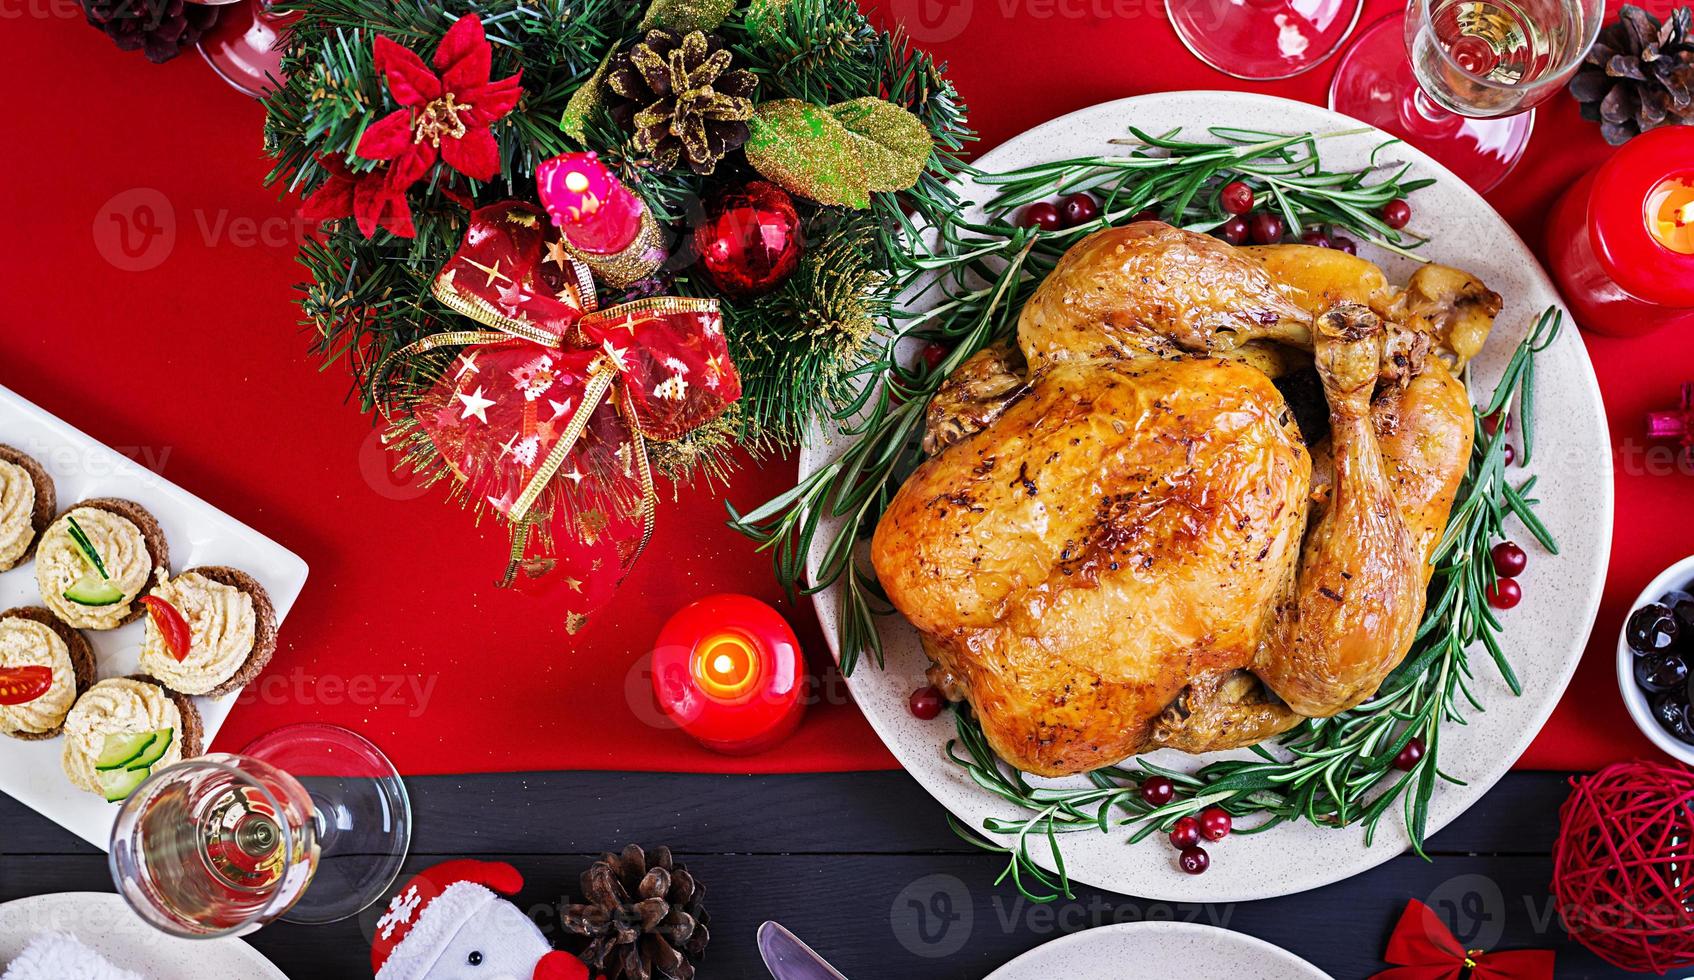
[[1194, 860], [1041, 215], [1265, 228], [1396, 214], [1491, 423], [1505, 593], [1234, 231], [1149, 214], [1342, 243], [1215, 823], [1078, 209], [1315, 237], [1185, 833], [1510, 454], [1509, 559], [1407, 758], [926, 703], [934, 354], [1158, 790], [1236, 197]]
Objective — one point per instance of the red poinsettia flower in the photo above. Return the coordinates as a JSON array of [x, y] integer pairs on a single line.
[[370, 198], [446, 116]]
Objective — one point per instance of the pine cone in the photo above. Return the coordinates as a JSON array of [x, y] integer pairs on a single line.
[[161, 28], [1639, 75], [645, 919], [678, 96]]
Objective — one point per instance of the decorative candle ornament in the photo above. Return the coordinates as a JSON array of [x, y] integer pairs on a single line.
[[1621, 240], [729, 671], [602, 222]]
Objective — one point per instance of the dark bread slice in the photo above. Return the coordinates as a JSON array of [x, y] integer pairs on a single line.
[[82, 659], [193, 731], [46, 498], [157, 548], [264, 625]]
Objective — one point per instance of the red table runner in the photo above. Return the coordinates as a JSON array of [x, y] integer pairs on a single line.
[[149, 284]]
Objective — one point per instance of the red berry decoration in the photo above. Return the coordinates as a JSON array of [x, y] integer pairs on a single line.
[[1194, 860], [1408, 757], [1215, 823], [1236, 197], [1505, 593], [1396, 214], [751, 240], [1510, 454], [1041, 215], [1234, 231], [1185, 833], [926, 703], [1341, 243], [934, 354], [1148, 214], [1509, 559], [1491, 423], [1315, 237], [1264, 228], [1078, 209], [1158, 790]]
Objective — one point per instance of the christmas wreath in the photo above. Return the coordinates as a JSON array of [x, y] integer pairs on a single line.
[[729, 195]]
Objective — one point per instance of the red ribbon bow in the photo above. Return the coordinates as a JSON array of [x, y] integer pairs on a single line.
[[1423, 948], [544, 418]]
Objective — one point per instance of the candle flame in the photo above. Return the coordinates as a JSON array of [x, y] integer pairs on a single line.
[[576, 181], [1686, 215], [727, 666]]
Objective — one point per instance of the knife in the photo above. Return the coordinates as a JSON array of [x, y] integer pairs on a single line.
[[790, 959]]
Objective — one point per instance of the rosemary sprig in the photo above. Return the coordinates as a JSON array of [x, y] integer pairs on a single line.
[[973, 279], [1330, 772]]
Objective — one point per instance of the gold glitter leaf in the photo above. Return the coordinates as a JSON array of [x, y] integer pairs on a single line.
[[893, 143], [807, 151], [683, 16]]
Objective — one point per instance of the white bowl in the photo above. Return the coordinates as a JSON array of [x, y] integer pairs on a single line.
[[1678, 576]]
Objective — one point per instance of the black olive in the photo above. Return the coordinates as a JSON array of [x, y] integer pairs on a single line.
[[475, 959], [1681, 606], [1658, 673], [1651, 629], [1672, 715]]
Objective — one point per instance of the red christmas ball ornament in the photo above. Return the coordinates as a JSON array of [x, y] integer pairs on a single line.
[[1621, 863], [750, 240]]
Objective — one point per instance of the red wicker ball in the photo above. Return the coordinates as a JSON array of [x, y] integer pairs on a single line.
[[1623, 866]]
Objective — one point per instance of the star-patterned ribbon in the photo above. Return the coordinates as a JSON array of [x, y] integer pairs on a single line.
[[544, 416], [1423, 948]]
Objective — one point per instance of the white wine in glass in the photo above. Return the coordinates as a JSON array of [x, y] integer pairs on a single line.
[[310, 823], [1459, 78]]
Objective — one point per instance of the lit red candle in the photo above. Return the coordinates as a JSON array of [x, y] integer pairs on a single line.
[[729, 671], [603, 221], [1621, 240]]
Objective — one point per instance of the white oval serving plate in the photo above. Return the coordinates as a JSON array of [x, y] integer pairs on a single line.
[[106, 925], [1158, 949], [1545, 635]]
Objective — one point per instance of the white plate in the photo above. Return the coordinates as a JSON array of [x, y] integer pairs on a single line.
[[1545, 636], [1158, 949], [198, 534], [106, 925]]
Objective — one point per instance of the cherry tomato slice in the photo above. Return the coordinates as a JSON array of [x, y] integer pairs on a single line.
[[172, 627], [21, 685]]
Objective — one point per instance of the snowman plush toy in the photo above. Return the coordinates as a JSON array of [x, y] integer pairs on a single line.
[[451, 923]]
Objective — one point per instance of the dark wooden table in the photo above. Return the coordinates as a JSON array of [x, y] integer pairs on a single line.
[[864, 867]]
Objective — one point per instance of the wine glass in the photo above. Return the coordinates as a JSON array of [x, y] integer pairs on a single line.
[[220, 845], [1263, 40], [1460, 79]]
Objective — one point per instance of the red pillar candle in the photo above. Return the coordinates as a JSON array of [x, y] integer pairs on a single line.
[[729, 671], [1621, 240], [603, 222]]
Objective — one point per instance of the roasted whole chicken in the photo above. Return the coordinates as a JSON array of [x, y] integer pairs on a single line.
[[1123, 540]]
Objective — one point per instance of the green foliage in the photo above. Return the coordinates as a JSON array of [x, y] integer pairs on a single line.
[[366, 298]]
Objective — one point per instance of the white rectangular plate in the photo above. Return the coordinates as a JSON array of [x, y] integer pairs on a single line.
[[198, 534]]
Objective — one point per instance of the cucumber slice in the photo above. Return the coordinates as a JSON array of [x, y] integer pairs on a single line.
[[91, 590], [119, 750], [117, 784], [154, 751]]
